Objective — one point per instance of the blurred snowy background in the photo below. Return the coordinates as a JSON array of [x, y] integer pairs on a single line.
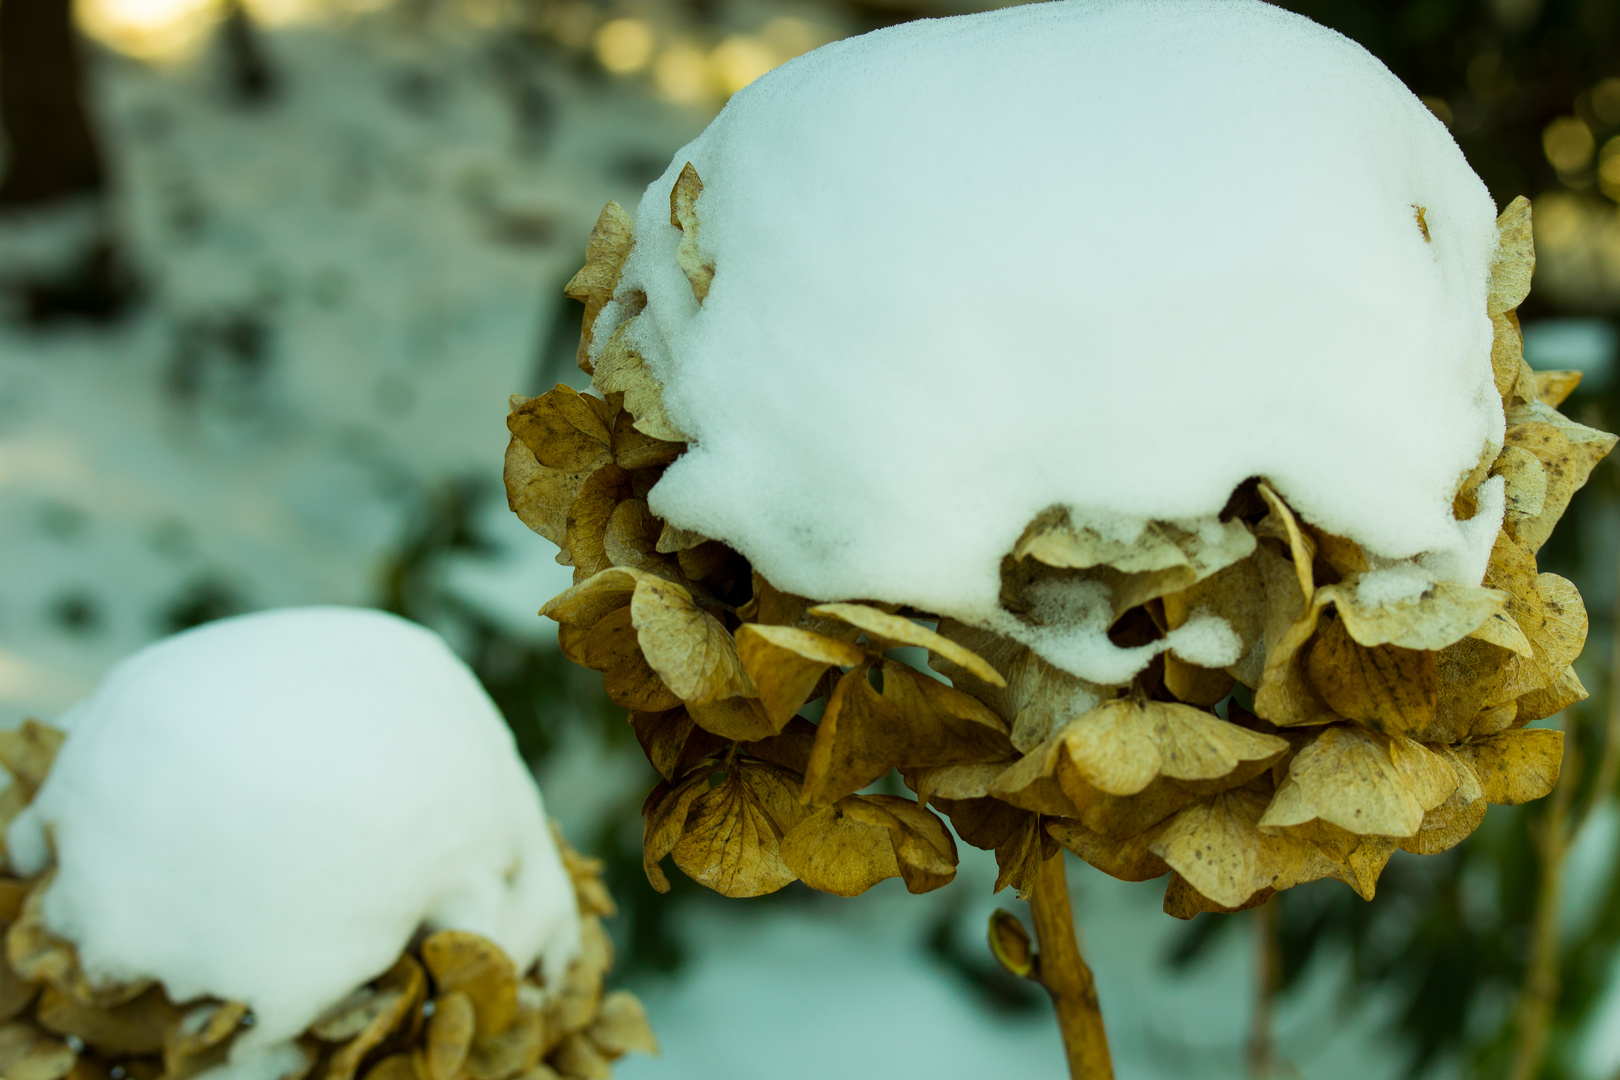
[[269, 270]]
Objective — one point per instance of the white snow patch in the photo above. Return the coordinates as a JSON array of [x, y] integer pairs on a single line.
[[1394, 584], [1115, 255], [267, 808]]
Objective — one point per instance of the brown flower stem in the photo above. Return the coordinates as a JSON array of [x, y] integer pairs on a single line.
[[1268, 975], [1063, 971], [1541, 983]]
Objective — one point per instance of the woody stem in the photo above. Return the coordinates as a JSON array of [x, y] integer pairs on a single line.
[[1063, 971], [1267, 975], [1539, 994]]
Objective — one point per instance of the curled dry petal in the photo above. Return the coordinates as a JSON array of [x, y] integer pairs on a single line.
[[622, 1026], [785, 663], [620, 369], [686, 645], [1282, 524], [1448, 824], [468, 962], [134, 1027], [609, 245], [26, 1053], [922, 844], [450, 1035], [1515, 766], [731, 841], [1515, 259], [1568, 453], [1346, 777], [862, 735], [1217, 846], [903, 631], [566, 430], [1131, 859], [683, 199]]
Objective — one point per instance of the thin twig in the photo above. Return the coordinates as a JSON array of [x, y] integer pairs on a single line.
[[1063, 971], [1268, 975]]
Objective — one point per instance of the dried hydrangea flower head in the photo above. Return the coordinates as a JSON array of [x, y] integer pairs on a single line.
[[1285, 620], [257, 852]]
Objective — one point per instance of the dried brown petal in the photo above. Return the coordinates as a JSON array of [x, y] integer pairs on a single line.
[[687, 646], [591, 600], [1552, 387], [622, 1026], [450, 1035], [902, 631], [200, 1038], [1121, 746], [1565, 691], [943, 725], [1525, 483], [27, 751], [1286, 696], [588, 519], [1515, 258], [405, 986], [1162, 559], [605, 252], [632, 684], [1217, 847], [1236, 594], [922, 843], [1130, 859], [1037, 699], [1282, 524], [1386, 687], [621, 370], [1022, 854], [1032, 782], [670, 739], [566, 430], [539, 496], [393, 1067], [27, 1054], [135, 1027], [1507, 353], [667, 811], [1568, 452], [1448, 824], [835, 853], [579, 1058], [608, 644], [735, 718], [731, 844], [1182, 901], [862, 735], [464, 961], [683, 199], [785, 663], [631, 537], [1515, 766], [1193, 684], [1444, 614], [1345, 777], [518, 1047], [33, 952]]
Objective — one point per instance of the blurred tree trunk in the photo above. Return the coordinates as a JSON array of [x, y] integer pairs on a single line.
[[52, 149]]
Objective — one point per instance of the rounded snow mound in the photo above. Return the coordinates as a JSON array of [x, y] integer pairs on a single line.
[[266, 809], [1111, 255]]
